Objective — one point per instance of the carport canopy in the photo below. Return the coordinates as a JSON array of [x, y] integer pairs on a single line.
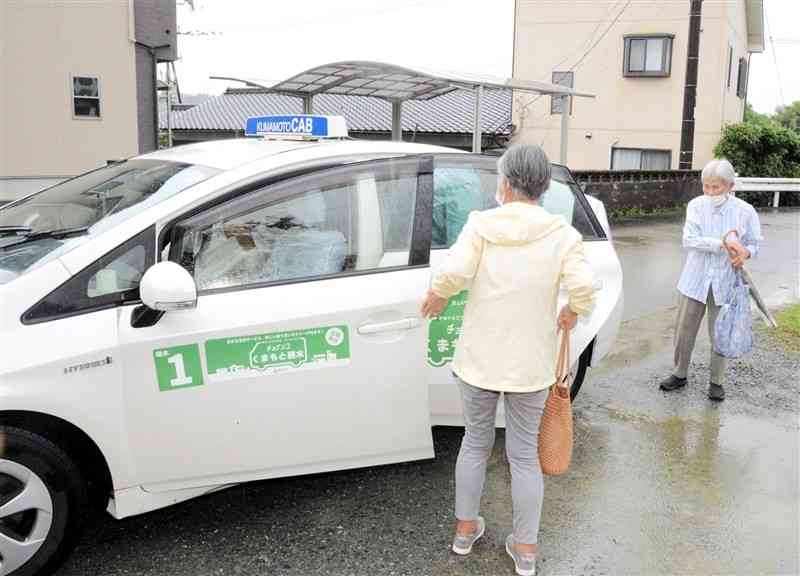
[[398, 84]]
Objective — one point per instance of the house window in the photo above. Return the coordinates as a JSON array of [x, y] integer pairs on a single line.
[[648, 55], [85, 97], [557, 102], [640, 159], [730, 64], [741, 84]]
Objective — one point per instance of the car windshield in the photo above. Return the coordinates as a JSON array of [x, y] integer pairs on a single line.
[[47, 224]]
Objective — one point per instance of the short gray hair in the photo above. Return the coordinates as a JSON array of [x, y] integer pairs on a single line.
[[527, 170], [719, 168]]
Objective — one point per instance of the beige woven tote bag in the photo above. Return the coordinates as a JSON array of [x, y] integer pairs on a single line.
[[555, 429]]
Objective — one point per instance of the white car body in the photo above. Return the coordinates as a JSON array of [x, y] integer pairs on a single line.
[[96, 371]]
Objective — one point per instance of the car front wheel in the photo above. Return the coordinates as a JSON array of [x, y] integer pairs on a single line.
[[43, 503]]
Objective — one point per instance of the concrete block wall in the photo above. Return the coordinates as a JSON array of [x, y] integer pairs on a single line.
[[636, 193]]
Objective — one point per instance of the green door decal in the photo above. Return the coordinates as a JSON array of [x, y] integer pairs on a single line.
[[444, 331], [178, 367], [247, 356]]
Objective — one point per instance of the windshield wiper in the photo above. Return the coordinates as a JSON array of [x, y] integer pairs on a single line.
[[15, 230], [58, 233], [29, 236]]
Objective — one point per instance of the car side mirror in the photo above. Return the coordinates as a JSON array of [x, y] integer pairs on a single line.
[[167, 287]]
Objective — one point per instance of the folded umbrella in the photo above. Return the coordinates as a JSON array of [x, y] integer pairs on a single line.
[[754, 293]]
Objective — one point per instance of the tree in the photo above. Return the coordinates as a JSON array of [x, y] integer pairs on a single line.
[[789, 116], [753, 117], [761, 149]]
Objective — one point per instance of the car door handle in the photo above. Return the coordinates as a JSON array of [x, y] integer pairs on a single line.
[[404, 324]]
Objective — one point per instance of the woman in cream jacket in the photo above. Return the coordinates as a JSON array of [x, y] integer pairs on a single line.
[[513, 259]]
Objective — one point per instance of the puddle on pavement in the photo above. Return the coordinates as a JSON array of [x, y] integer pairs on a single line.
[[706, 492]]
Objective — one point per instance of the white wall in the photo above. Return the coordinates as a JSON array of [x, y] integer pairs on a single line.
[[3, 109], [46, 42], [13, 188]]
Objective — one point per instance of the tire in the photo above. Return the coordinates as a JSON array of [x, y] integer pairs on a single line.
[[52, 482], [580, 374]]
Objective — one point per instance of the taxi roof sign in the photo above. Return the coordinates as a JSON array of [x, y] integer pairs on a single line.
[[296, 126]]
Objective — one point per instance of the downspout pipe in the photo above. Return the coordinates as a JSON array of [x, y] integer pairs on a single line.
[[153, 50]]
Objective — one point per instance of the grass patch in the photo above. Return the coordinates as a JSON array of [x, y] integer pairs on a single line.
[[637, 213], [788, 330]]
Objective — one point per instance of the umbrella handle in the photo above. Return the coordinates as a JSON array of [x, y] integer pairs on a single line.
[[748, 280], [725, 237]]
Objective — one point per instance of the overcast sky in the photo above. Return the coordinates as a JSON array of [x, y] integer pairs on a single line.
[[269, 41]]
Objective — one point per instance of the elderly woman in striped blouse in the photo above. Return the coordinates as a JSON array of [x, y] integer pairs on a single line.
[[709, 272]]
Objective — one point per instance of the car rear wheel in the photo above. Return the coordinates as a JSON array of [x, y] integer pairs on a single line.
[[43, 502]]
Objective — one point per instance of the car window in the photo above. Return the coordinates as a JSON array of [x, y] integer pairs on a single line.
[[122, 274], [96, 201], [560, 199], [110, 281], [463, 185], [564, 197], [397, 197], [458, 189], [342, 221]]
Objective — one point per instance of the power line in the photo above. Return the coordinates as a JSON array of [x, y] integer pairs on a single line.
[[592, 47], [589, 38], [775, 59], [610, 26]]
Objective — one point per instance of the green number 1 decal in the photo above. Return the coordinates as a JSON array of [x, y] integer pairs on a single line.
[[182, 379], [178, 367]]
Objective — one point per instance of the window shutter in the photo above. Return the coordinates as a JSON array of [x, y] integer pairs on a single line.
[[741, 86]]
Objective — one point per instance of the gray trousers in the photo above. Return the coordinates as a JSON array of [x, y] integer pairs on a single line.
[[687, 325], [523, 414]]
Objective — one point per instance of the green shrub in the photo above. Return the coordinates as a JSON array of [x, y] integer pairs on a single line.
[[762, 150]]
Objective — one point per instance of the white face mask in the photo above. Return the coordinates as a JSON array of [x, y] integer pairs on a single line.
[[719, 200]]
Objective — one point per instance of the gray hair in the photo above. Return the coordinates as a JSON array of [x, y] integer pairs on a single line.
[[527, 170], [719, 168]]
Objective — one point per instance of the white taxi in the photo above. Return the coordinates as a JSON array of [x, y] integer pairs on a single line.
[[230, 311]]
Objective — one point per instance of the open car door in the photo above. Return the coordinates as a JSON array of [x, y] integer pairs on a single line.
[[463, 183]]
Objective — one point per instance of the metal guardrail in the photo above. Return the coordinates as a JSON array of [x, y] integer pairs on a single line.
[[774, 185]]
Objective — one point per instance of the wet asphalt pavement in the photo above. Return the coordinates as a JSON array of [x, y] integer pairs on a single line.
[[652, 257], [660, 483]]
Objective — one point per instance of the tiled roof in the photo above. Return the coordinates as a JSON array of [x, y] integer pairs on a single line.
[[450, 113]]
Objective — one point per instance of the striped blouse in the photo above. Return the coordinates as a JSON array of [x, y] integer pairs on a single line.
[[707, 264]]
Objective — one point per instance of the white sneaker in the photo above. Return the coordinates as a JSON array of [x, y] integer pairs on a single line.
[[524, 564], [462, 543]]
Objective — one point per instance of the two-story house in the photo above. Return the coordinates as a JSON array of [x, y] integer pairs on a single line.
[[668, 76]]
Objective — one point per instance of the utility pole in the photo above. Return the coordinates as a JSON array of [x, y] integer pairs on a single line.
[[690, 89]]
